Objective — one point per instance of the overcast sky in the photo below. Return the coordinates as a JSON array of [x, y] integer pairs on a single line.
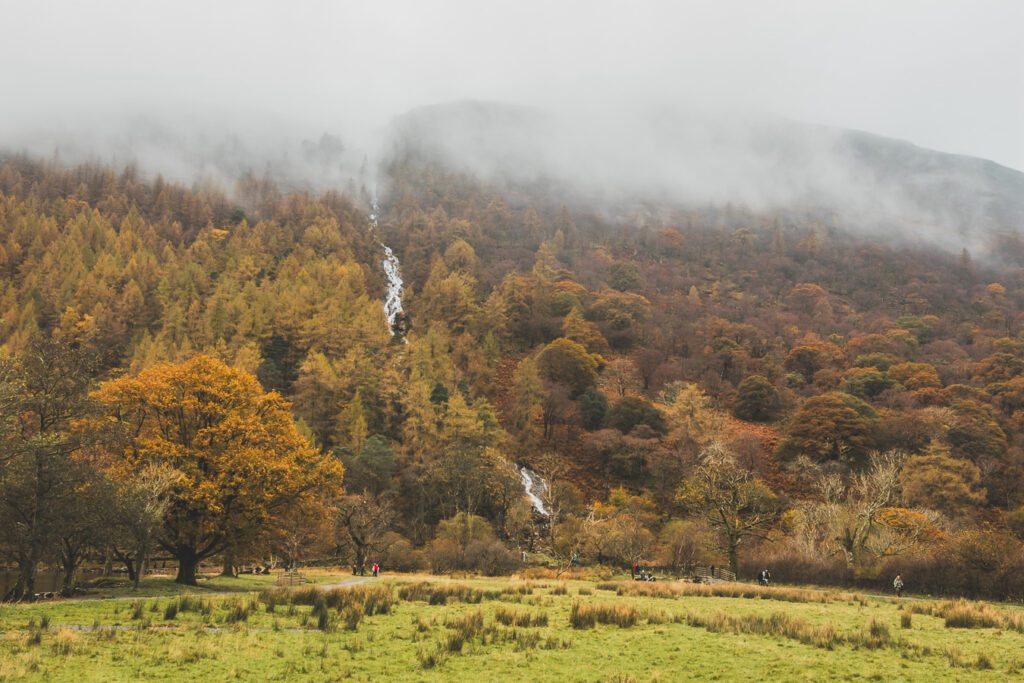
[[946, 75]]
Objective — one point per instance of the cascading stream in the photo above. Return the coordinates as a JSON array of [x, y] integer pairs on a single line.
[[534, 486], [393, 272]]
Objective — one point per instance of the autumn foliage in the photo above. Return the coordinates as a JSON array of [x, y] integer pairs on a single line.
[[239, 455]]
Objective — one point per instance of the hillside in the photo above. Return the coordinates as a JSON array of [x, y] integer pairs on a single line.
[[624, 354]]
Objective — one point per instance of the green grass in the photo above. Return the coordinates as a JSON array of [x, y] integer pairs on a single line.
[[156, 586], [429, 628]]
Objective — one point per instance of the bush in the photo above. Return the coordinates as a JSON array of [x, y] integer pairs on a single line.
[[757, 400], [593, 407], [490, 558], [400, 555], [790, 566], [444, 555], [632, 411]]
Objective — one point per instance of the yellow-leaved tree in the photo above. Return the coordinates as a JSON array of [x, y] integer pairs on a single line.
[[241, 461]]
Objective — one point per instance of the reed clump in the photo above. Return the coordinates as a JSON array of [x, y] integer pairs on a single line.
[[588, 615]]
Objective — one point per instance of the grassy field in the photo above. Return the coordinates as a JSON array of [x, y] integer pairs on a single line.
[[427, 628]]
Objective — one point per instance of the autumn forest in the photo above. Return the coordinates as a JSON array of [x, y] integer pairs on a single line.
[[205, 376]]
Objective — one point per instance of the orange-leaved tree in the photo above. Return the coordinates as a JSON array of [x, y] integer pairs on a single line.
[[240, 457]]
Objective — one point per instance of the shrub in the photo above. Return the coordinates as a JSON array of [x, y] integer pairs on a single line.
[[491, 558], [630, 411], [757, 399], [401, 556], [171, 611]]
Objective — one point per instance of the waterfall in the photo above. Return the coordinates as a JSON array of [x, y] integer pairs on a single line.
[[533, 484], [393, 272]]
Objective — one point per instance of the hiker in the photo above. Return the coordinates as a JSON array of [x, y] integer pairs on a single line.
[[767, 576], [897, 584], [376, 570], [634, 571], [760, 578]]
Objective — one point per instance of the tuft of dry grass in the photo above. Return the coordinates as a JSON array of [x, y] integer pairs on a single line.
[[587, 615], [520, 618], [775, 624], [728, 590], [441, 594], [963, 614]]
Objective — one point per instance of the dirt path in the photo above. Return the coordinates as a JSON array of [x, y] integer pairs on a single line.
[[346, 583]]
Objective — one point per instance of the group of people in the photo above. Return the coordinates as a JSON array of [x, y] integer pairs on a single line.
[[764, 577], [639, 574]]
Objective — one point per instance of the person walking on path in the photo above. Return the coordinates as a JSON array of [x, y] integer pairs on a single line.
[[376, 570], [897, 584]]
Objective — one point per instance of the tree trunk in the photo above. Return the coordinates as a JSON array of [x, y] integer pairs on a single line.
[[108, 562], [734, 557], [140, 566], [25, 586], [360, 560], [229, 563], [188, 564], [70, 562]]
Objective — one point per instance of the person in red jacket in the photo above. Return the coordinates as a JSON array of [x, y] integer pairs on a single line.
[[376, 569]]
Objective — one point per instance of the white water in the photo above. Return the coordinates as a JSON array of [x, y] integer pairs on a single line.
[[533, 485], [393, 272]]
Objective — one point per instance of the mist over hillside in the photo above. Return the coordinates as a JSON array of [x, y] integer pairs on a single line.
[[664, 155], [598, 156]]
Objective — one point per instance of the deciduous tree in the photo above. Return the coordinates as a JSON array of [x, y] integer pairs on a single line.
[[237, 450]]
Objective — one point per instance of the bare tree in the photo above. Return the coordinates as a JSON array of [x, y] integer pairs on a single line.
[[363, 522], [140, 504], [730, 500], [853, 510]]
